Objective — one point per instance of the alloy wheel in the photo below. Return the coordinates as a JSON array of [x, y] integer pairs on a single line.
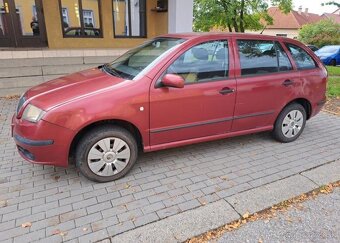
[[292, 124], [108, 156]]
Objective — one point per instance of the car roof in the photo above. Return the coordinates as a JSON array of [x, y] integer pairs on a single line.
[[197, 35]]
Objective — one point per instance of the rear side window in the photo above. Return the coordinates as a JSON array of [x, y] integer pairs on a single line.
[[302, 59], [262, 57], [205, 62]]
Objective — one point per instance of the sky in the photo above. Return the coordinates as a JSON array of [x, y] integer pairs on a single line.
[[314, 6]]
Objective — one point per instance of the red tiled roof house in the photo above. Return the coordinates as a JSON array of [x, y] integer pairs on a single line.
[[288, 25]]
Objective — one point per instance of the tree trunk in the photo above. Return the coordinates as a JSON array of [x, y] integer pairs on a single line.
[[234, 21], [242, 17], [229, 27], [225, 7]]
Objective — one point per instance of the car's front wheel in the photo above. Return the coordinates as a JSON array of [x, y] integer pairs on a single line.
[[106, 153], [290, 123]]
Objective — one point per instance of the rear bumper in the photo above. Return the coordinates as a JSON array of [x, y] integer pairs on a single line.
[[42, 142], [317, 107]]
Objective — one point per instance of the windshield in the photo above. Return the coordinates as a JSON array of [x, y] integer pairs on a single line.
[[329, 49], [135, 61]]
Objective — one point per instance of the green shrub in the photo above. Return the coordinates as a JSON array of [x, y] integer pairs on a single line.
[[324, 32]]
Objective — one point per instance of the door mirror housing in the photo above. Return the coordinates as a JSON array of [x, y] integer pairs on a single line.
[[173, 80]]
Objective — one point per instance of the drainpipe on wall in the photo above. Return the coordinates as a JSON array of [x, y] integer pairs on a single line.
[[180, 15]]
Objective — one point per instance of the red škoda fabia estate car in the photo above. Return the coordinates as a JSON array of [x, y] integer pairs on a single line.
[[171, 91]]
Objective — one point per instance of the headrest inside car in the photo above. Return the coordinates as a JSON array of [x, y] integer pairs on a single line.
[[220, 55], [200, 54]]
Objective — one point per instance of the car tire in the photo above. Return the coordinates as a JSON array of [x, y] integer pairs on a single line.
[[106, 153], [333, 62], [290, 123]]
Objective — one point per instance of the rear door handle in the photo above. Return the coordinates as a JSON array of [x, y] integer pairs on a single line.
[[226, 90], [288, 82]]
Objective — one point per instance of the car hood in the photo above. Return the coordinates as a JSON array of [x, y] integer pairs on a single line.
[[71, 88], [324, 54]]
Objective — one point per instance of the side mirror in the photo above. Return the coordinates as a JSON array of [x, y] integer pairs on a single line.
[[173, 80]]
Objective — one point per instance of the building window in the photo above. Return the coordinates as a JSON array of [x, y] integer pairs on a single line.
[[129, 18], [88, 18], [65, 17], [81, 18], [34, 10]]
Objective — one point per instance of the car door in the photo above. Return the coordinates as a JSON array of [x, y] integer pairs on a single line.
[[205, 106], [265, 83]]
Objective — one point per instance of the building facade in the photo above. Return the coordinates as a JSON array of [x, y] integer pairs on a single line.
[[65, 24]]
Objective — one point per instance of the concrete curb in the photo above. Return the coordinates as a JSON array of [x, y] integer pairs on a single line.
[[186, 225]]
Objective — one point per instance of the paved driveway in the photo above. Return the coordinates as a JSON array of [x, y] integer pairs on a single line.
[[63, 206]]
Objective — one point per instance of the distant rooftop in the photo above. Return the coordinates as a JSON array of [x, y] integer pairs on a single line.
[[296, 19]]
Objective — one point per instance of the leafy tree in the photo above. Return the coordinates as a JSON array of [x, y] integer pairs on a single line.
[[324, 32], [331, 3], [235, 15]]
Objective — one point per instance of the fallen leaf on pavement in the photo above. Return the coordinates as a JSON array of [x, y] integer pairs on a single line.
[[56, 232], [59, 232], [127, 186], [26, 225], [3, 203], [290, 220], [246, 215]]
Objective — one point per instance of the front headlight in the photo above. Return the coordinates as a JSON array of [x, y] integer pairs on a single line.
[[33, 113]]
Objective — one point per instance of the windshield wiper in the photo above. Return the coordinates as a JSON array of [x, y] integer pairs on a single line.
[[111, 71]]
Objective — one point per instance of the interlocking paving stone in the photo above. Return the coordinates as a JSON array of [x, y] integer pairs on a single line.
[[161, 185]]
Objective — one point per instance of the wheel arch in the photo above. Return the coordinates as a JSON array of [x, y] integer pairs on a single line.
[[120, 123], [305, 103]]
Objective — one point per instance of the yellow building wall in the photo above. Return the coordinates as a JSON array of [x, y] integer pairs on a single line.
[[119, 8], [156, 24]]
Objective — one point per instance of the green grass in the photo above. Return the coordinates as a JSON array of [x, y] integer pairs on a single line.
[[333, 87], [333, 71]]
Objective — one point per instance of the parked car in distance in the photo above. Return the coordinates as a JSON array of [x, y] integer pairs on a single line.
[[313, 48], [329, 55], [174, 90]]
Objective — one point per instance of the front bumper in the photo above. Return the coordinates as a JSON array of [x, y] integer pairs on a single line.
[[42, 142]]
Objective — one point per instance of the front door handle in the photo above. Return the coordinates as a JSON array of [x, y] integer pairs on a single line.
[[288, 82], [226, 90]]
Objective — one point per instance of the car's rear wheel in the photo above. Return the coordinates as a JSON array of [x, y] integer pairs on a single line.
[[106, 153], [333, 62], [290, 123]]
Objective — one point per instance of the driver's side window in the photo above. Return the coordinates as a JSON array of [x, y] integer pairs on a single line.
[[205, 62]]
